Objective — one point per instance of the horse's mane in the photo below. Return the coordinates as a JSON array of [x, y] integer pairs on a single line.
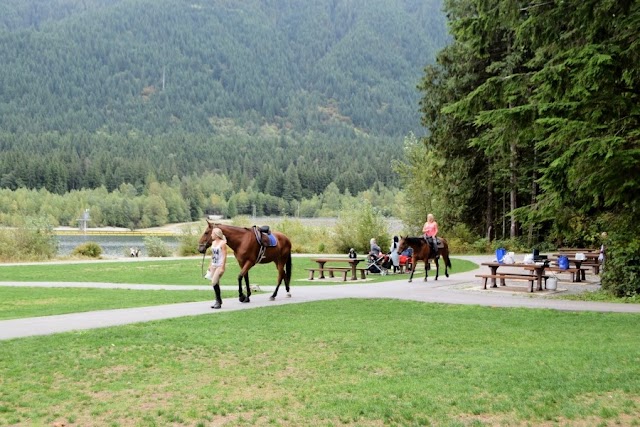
[[414, 240], [217, 224]]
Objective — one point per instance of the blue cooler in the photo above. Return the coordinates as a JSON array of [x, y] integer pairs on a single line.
[[500, 253]]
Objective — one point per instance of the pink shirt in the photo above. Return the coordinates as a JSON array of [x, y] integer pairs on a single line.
[[430, 228]]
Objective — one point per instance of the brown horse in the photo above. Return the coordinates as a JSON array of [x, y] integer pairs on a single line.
[[246, 248], [422, 251]]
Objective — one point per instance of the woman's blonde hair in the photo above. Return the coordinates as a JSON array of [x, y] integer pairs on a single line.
[[218, 233]]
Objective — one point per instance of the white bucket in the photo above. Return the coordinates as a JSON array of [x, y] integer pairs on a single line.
[[552, 283]]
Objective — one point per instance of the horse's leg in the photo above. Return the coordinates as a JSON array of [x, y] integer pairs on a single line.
[[413, 268], [281, 275], [246, 284], [437, 267], [426, 269], [447, 263], [244, 273]]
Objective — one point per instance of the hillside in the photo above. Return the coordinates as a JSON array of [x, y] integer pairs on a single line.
[[110, 70]]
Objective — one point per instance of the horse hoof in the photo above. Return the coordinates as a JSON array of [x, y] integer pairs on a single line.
[[242, 298], [272, 298], [446, 274], [217, 305]]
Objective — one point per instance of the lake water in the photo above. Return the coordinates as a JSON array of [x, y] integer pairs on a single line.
[[113, 246]]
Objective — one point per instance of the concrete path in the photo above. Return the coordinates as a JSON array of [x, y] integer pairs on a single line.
[[462, 288]]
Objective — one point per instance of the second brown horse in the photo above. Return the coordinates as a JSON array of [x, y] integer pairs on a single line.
[[422, 251]]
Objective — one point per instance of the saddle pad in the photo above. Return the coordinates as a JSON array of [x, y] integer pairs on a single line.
[[272, 240]]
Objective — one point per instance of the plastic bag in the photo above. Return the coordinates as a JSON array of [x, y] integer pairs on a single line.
[[563, 262]]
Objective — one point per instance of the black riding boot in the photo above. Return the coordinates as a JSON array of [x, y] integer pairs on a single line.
[[218, 303]]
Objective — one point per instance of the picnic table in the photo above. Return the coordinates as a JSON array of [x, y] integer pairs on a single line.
[[535, 273], [577, 273], [349, 265]]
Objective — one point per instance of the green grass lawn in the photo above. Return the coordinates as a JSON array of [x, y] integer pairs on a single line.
[[333, 363], [19, 302], [179, 272]]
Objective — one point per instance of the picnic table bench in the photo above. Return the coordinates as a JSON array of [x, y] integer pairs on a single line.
[[352, 264], [331, 271], [577, 274], [536, 274], [531, 278]]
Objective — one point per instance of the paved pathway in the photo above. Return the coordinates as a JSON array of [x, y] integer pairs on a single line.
[[462, 288]]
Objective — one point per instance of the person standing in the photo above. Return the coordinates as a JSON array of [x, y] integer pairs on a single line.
[[601, 256], [395, 256], [218, 262], [430, 230]]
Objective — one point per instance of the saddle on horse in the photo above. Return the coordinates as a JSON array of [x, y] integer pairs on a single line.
[[434, 243], [265, 239]]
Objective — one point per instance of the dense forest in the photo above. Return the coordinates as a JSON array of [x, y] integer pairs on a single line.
[[534, 113], [103, 93]]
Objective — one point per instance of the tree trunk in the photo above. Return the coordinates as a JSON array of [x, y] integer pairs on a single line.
[[513, 184], [534, 191], [489, 213]]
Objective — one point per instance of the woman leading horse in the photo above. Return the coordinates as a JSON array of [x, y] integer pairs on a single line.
[[247, 249], [422, 252]]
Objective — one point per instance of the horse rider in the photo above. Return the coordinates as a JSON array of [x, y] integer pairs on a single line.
[[430, 230]]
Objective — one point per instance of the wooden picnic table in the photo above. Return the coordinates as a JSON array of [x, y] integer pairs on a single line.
[[574, 250], [353, 263], [578, 271], [536, 273]]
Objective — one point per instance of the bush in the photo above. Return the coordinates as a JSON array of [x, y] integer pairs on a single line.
[[188, 241], [32, 241], [88, 249], [156, 247], [356, 227], [306, 239], [621, 273]]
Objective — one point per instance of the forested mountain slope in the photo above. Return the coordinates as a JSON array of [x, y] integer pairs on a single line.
[[88, 85]]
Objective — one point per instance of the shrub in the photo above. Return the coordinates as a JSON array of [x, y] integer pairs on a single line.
[[621, 273], [357, 226], [88, 249], [188, 240], [156, 247], [32, 241]]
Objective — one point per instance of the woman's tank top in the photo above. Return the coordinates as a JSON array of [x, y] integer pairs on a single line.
[[216, 260]]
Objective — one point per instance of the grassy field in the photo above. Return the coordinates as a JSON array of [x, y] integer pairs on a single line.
[[20, 302], [333, 363], [178, 272]]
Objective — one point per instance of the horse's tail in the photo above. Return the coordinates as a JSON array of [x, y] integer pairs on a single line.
[[287, 271]]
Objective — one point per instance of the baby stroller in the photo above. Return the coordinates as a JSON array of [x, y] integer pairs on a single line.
[[379, 265]]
